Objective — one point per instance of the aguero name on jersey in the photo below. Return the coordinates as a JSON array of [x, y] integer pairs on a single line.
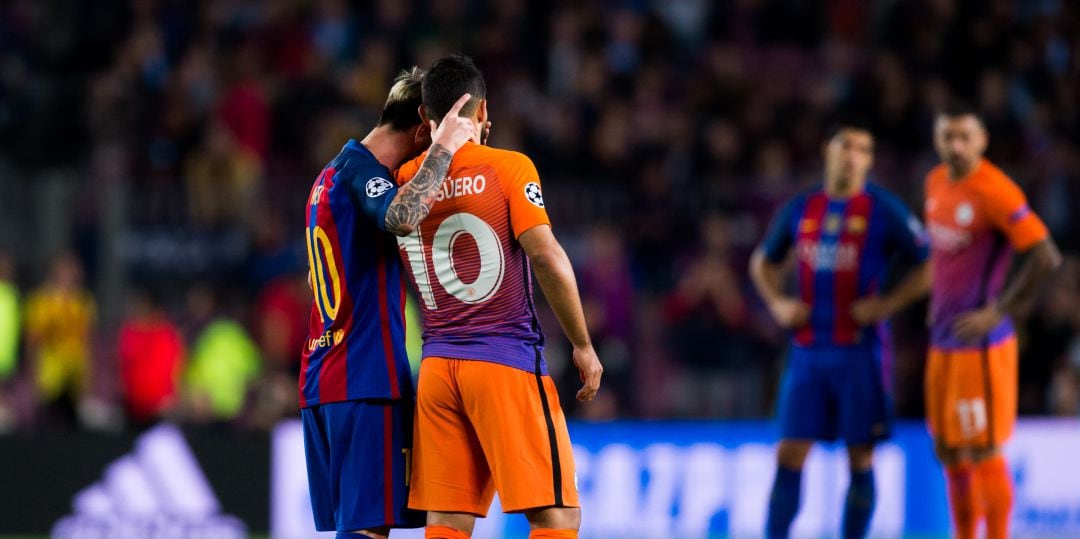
[[355, 347], [843, 248]]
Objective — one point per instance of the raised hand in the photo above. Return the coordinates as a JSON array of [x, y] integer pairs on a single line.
[[414, 199], [455, 130]]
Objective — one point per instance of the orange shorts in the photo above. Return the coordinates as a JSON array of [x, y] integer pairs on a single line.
[[971, 395], [482, 427]]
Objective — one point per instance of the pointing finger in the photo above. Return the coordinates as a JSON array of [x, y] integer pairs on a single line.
[[456, 109]]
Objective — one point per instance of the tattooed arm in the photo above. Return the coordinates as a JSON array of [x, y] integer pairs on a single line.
[[414, 199]]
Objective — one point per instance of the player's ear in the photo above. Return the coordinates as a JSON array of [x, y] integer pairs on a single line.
[[481, 111], [421, 134], [423, 115]]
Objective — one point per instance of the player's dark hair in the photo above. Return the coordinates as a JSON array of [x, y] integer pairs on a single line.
[[849, 122], [957, 108], [446, 80], [403, 103]]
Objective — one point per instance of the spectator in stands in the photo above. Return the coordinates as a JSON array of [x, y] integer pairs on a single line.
[[707, 316], [9, 319], [607, 296], [646, 114], [281, 315], [9, 338], [221, 180], [150, 351], [1063, 368], [60, 319], [224, 363]]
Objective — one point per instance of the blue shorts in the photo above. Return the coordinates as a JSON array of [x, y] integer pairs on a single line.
[[835, 392], [357, 464]]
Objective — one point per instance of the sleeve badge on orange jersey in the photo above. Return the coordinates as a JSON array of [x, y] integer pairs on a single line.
[[533, 194]]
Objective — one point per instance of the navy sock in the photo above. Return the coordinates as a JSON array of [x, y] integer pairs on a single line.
[[783, 503], [859, 506]]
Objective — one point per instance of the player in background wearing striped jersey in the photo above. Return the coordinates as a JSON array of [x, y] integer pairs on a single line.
[[356, 392], [977, 218], [845, 236], [488, 415]]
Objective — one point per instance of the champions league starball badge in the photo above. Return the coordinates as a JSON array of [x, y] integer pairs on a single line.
[[533, 194]]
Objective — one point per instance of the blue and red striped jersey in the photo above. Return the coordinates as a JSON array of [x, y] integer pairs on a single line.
[[843, 248], [356, 342]]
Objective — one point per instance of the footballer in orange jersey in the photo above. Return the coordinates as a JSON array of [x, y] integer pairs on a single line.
[[488, 417], [977, 218]]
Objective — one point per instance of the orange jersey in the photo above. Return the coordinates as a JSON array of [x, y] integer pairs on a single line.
[[471, 273], [975, 224]]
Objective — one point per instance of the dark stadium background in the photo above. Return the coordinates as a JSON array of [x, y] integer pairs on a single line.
[[165, 147]]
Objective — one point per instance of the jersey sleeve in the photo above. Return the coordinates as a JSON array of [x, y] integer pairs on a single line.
[[524, 195], [372, 195], [781, 233], [904, 232], [408, 170], [1007, 208]]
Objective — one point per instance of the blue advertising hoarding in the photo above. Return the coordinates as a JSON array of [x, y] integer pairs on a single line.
[[711, 479]]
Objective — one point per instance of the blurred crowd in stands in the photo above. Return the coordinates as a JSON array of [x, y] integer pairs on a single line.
[[666, 133]]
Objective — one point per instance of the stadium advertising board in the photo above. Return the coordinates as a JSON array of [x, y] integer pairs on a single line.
[[637, 479], [706, 479]]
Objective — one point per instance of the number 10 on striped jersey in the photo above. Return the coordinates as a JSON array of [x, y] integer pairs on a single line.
[[321, 260]]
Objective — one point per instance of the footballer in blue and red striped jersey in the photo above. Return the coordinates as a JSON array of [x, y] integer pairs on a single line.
[[356, 389], [356, 342], [846, 237], [843, 248]]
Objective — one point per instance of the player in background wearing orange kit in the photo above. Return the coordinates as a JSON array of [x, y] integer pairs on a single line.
[[977, 217], [488, 415]]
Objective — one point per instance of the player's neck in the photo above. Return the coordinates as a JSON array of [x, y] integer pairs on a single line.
[[832, 190], [389, 147], [960, 173]]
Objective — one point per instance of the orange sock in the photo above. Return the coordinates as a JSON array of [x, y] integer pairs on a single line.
[[553, 534], [444, 532], [964, 499], [996, 493]]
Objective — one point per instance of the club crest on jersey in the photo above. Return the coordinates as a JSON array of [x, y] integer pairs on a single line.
[[377, 187], [533, 194], [965, 214], [856, 224], [832, 224], [807, 226]]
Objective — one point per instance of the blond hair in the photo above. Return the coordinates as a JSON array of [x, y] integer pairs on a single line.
[[403, 102]]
